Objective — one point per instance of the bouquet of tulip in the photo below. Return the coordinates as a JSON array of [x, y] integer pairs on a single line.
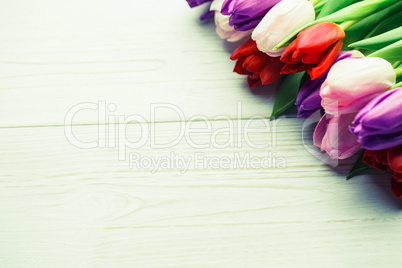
[[340, 58]]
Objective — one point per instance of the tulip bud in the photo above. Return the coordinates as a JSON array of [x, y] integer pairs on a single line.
[[260, 68], [223, 29], [308, 99], [283, 19], [379, 124], [353, 82], [246, 14], [315, 49]]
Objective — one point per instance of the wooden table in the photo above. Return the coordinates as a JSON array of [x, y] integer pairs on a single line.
[[73, 194]]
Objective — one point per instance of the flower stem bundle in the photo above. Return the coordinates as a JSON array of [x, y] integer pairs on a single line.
[[339, 58]]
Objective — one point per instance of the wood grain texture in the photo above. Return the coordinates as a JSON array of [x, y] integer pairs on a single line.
[[56, 54], [63, 206]]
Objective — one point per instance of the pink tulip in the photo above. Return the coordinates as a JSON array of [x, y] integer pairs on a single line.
[[353, 82], [332, 135]]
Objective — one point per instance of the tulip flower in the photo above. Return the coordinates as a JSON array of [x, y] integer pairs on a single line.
[[223, 29], [260, 68], [353, 82], [379, 124], [283, 19], [308, 100], [246, 14], [389, 160], [332, 135], [315, 49]]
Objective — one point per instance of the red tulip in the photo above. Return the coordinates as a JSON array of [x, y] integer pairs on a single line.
[[314, 50], [388, 159], [260, 68]]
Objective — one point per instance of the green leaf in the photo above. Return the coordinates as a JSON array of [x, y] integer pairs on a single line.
[[334, 5], [362, 29], [304, 79], [398, 72], [392, 22], [390, 53], [358, 167], [356, 11], [287, 93], [399, 84], [380, 41]]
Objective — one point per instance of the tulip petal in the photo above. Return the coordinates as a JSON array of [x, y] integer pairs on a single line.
[[246, 14], [271, 71], [319, 37], [256, 62], [395, 159], [351, 83], [253, 82], [327, 61], [312, 58], [295, 68], [287, 54], [376, 159], [341, 143], [283, 19], [248, 48], [239, 66], [333, 136], [320, 131]]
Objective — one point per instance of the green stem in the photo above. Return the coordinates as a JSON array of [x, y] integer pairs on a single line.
[[396, 85], [396, 64], [391, 20], [319, 6], [356, 11], [398, 71], [347, 24], [315, 2]]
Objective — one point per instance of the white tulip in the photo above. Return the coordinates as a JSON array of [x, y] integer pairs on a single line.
[[283, 19]]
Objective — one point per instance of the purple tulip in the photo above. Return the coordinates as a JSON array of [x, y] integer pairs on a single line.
[[195, 3], [308, 100], [378, 125], [246, 14]]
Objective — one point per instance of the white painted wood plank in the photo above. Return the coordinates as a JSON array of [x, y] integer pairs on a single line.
[[56, 54], [63, 206]]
